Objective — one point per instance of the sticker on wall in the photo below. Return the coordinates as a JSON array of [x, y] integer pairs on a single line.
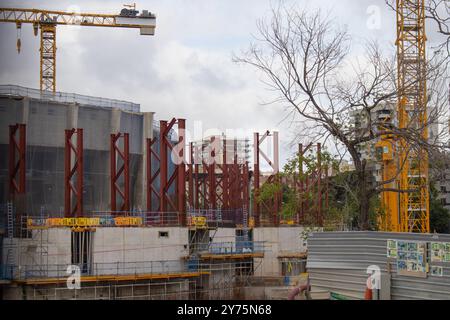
[[392, 249], [411, 258], [436, 271], [440, 252]]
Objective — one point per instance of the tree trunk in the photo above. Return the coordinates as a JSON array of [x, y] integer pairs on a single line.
[[363, 188], [364, 207], [364, 204]]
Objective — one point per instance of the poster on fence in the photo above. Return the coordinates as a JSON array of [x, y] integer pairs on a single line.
[[411, 257], [440, 252], [436, 271]]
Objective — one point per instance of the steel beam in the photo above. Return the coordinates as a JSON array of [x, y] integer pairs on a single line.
[[73, 189], [121, 172], [17, 166]]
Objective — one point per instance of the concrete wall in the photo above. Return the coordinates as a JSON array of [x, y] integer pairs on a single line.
[[139, 250], [223, 235], [114, 251], [46, 253], [281, 240], [46, 122], [140, 290]]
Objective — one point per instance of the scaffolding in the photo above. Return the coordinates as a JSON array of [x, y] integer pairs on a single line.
[[212, 270]]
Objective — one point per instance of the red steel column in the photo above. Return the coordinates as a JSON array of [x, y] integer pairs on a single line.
[[163, 167], [319, 187], [225, 182], [124, 170], [245, 185], [17, 167], [112, 161], [256, 207], [70, 172], [326, 188], [191, 175], [197, 180], [276, 169], [181, 173], [300, 172], [151, 178], [212, 176], [126, 159], [148, 177]]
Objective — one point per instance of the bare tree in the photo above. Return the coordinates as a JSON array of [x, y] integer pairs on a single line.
[[437, 12], [306, 61]]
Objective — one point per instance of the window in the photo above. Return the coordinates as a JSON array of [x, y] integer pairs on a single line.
[[82, 250], [163, 234]]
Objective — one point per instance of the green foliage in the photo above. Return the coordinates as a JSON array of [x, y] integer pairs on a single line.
[[343, 194], [439, 216]]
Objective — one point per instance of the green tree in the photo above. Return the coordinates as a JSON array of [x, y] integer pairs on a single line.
[[439, 215]]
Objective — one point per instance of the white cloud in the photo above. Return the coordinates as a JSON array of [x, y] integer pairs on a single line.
[[185, 70]]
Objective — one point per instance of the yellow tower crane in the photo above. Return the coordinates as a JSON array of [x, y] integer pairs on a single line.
[[47, 20], [412, 113], [408, 211]]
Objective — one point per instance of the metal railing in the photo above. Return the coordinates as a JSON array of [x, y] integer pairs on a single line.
[[238, 247], [210, 218], [65, 97], [218, 217], [58, 271]]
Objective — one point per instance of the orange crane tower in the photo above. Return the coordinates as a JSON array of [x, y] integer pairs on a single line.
[[408, 211], [47, 20], [412, 112]]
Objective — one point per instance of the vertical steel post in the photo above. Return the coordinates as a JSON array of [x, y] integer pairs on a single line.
[[181, 173], [198, 184], [225, 182], [123, 171], [162, 167], [191, 175], [300, 172], [148, 150], [256, 206], [71, 172], [276, 169], [126, 159], [152, 159], [113, 172], [17, 167], [212, 176], [319, 187]]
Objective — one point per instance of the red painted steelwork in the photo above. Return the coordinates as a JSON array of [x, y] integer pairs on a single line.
[[273, 206], [178, 178], [73, 189], [121, 172], [17, 144]]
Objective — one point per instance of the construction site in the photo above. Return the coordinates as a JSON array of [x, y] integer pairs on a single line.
[[100, 200]]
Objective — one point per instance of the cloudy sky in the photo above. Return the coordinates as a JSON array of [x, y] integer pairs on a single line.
[[186, 69]]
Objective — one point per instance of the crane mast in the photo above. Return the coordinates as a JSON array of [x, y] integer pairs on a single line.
[[412, 113], [47, 20]]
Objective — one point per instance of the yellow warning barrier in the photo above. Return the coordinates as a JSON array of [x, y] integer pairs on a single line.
[[83, 222]]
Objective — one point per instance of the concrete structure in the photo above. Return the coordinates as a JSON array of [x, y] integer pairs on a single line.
[[242, 149], [279, 243], [143, 261], [46, 117]]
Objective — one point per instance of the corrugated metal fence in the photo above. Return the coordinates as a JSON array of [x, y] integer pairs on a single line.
[[338, 261]]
